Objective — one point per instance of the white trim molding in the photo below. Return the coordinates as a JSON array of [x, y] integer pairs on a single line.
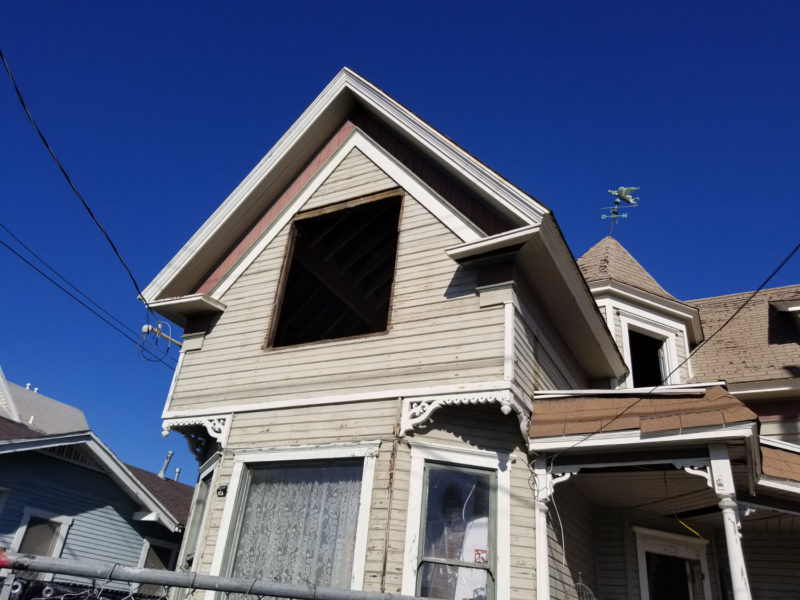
[[64, 523], [500, 463], [246, 458], [669, 544], [416, 410]]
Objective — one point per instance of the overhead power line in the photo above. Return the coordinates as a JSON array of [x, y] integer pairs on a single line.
[[81, 302], [69, 181], [774, 272]]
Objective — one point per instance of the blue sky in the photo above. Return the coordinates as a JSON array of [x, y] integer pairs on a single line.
[[158, 109]]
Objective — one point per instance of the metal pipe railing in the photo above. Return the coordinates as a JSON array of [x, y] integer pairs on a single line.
[[186, 579]]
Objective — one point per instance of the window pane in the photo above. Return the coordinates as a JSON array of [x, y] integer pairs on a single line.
[[456, 529], [39, 538], [299, 523], [158, 557]]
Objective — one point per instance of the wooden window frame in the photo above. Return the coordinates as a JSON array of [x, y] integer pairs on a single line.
[[286, 264], [669, 544], [64, 523]]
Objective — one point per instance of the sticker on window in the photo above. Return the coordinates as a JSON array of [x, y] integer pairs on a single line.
[[481, 555]]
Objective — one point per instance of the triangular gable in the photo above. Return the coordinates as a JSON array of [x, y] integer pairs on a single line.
[[252, 197], [397, 176], [109, 463]]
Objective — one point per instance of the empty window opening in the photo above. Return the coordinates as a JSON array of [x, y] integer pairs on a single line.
[[340, 274], [647, 359]]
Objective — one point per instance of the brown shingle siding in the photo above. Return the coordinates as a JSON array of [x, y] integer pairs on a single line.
[[759, 343]]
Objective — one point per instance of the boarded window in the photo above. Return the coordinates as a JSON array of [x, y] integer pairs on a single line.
[[338, 278]]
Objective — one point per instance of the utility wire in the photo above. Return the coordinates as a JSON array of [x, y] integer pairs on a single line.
[[692, 353], [69, 181], [78, 300], [66, 281]]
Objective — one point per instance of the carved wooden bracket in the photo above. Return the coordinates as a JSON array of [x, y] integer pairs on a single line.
[[417, 410], [199, 432]]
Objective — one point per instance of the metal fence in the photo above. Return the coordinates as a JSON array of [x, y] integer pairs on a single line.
[[103, 574]]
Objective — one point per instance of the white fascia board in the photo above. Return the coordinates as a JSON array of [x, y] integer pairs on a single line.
[[633, 437], [135, 488], [673, 308], [492, 184], [515, 237], [401, 176], [465, 388], [565, 263], [779, 484], [6, 393], [779, 444], [767, 388], [495, 187], [677, 389]]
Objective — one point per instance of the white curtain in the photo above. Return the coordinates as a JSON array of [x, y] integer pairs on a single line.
[[299, 523]]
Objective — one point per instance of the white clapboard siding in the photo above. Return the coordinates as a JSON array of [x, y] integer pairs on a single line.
[[355, 176], [437, 333]]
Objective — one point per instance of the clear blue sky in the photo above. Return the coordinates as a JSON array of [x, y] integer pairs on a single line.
[[159, 109]]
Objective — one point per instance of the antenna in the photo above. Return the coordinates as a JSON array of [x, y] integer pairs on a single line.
[[620, 194]]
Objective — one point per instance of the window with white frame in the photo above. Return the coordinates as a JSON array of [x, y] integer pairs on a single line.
[[299, 516], [41, 533], [650, 351], [671, 566], [192, 540], [458, 524]]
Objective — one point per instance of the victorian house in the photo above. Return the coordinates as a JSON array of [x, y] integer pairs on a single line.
[[396, 378]]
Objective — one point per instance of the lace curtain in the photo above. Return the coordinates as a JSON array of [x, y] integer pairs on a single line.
[[299, 523]]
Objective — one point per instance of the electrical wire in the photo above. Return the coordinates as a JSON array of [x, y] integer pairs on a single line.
[[67, 281], [692, 353], [78, 300], [72, 185]]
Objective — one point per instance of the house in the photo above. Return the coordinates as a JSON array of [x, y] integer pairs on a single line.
[[396, 377], [64, 493]]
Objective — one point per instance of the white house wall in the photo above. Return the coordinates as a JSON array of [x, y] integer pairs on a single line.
[[438, 334]]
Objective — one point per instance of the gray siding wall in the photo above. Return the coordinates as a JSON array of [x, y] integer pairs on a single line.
[[102, 525], [437, 334]]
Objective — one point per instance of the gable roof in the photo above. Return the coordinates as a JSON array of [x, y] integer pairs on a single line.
[[11, 430], [609, 260], [761, 342], [346, 94], [153, 500], [352, 112]]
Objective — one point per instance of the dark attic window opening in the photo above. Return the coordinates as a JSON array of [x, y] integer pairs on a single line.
[[338, 279], [647, 359]]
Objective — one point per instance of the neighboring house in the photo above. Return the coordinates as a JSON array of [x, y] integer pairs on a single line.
[[64, 493], [396, 378]]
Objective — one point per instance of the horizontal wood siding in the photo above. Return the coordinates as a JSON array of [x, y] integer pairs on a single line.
[[571, 522], [612, 561], [102, 514], [355, 176], [437, 334], [773, 564]]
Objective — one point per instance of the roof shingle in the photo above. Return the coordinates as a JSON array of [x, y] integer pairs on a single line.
[[607, 259], [760, 343]]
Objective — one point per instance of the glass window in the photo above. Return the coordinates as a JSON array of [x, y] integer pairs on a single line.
[[457, 538], [158, 556], [40, 537], [298, 522]]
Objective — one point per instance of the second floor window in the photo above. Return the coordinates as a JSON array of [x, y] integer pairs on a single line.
[[338, 277]]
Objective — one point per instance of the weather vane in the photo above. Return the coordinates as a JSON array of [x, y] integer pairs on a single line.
[[620, 194]]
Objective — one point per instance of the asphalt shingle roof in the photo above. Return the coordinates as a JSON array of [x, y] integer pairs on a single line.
[[175, 496], [607, 259]]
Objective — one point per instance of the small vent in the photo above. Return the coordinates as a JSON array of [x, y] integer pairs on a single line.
[[74, 454]]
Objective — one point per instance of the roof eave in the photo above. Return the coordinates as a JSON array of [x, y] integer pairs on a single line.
[[115, 468], [294, 148]]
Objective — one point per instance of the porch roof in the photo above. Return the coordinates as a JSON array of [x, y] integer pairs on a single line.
[[649, 413], [780, 464]]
